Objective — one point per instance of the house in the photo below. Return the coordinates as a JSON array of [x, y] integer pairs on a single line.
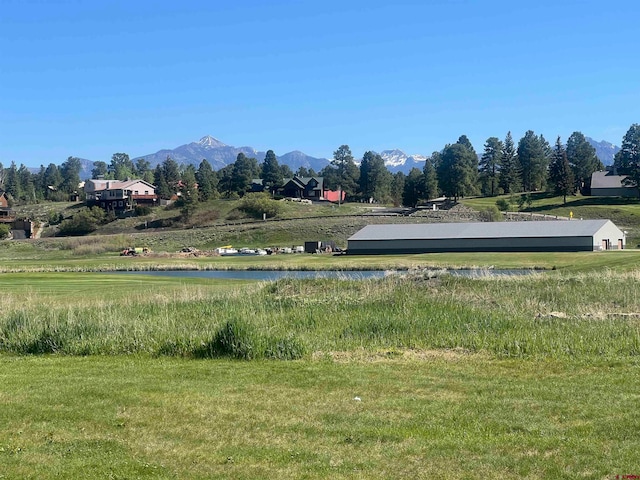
[[4, 199], [303, 187], [547, 236], [311, 188], [610, 184], [6, 213], [118, 195]]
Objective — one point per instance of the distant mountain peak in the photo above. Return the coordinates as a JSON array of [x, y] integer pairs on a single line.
[[209, 141], [605, 151]]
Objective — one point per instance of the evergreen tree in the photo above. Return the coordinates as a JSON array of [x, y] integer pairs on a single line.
[[472, 165], [171, 173], [346, 169], [162, 186], [207, 181], [142, 169], [560, 173], [121, 166], [271, 172], [533, 160], [100, 170], [70, 171], [457, 171], [12, 182], [286, 172], [188, 201], [27, 186], [431, 177], [225, 180], [52, 181], [628, 158], [490, 166], [583, 160], [397, 188], [242, 174], [375, 179], [509, 169], [301, 172], [413, 188], [38, 183]]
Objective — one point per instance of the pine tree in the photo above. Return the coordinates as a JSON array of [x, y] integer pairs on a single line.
[[375, 179], [583, 160], [457, 171], [533, 160], [509, 168], [207, 181], [560, 173], [242, 174], [346, 169], [188, 193], [430, 178], [490, 166], [271, 172], [413, 188], [628, 158]]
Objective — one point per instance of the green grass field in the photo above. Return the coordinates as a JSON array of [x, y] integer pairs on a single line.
[[437, 415]]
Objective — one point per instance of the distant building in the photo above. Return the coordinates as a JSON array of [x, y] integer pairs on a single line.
[[610, 184], [310, 188], [116, 195], [543, 236], [7, 215]]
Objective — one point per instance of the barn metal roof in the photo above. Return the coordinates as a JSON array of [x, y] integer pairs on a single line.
[[541, 229]]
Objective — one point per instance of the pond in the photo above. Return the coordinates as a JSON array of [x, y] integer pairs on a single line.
[[271, 275]]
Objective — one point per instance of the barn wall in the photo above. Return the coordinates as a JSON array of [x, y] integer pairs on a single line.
[[539, 244], [612, 234], [614, 192]]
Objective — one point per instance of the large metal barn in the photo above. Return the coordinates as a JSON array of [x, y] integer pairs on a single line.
[[533, 236]]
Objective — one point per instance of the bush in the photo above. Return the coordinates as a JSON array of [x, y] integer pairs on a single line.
[[142, 210], [86, 220], [524, 201], [54, 218], [238, 339], [491, 214], [257, 204], [4, 231], [503, 204]]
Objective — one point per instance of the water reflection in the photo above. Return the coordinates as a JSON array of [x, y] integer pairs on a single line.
[[271, 275]]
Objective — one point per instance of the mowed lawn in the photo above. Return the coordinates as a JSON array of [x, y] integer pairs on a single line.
[[418, 415]]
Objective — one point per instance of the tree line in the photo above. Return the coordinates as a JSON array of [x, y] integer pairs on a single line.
[[503, 167]]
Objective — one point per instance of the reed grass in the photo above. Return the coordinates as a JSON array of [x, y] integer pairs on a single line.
[[547, 315]]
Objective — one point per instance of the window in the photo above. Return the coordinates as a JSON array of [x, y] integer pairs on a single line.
[[135, 192], [120, 203]]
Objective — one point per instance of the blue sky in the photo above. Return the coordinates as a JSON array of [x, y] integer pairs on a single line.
[[91, 78]]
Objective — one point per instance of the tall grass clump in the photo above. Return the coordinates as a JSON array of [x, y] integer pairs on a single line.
[[239, 339]]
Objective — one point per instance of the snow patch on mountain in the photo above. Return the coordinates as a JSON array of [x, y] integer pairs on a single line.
[[209, 142], [397, 160]]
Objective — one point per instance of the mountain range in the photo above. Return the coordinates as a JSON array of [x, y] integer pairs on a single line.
[[219, 154]]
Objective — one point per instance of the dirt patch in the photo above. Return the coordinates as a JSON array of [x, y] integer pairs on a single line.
[[394, 355]]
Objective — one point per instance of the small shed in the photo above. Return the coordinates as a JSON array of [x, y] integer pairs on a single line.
[[534, 236]]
